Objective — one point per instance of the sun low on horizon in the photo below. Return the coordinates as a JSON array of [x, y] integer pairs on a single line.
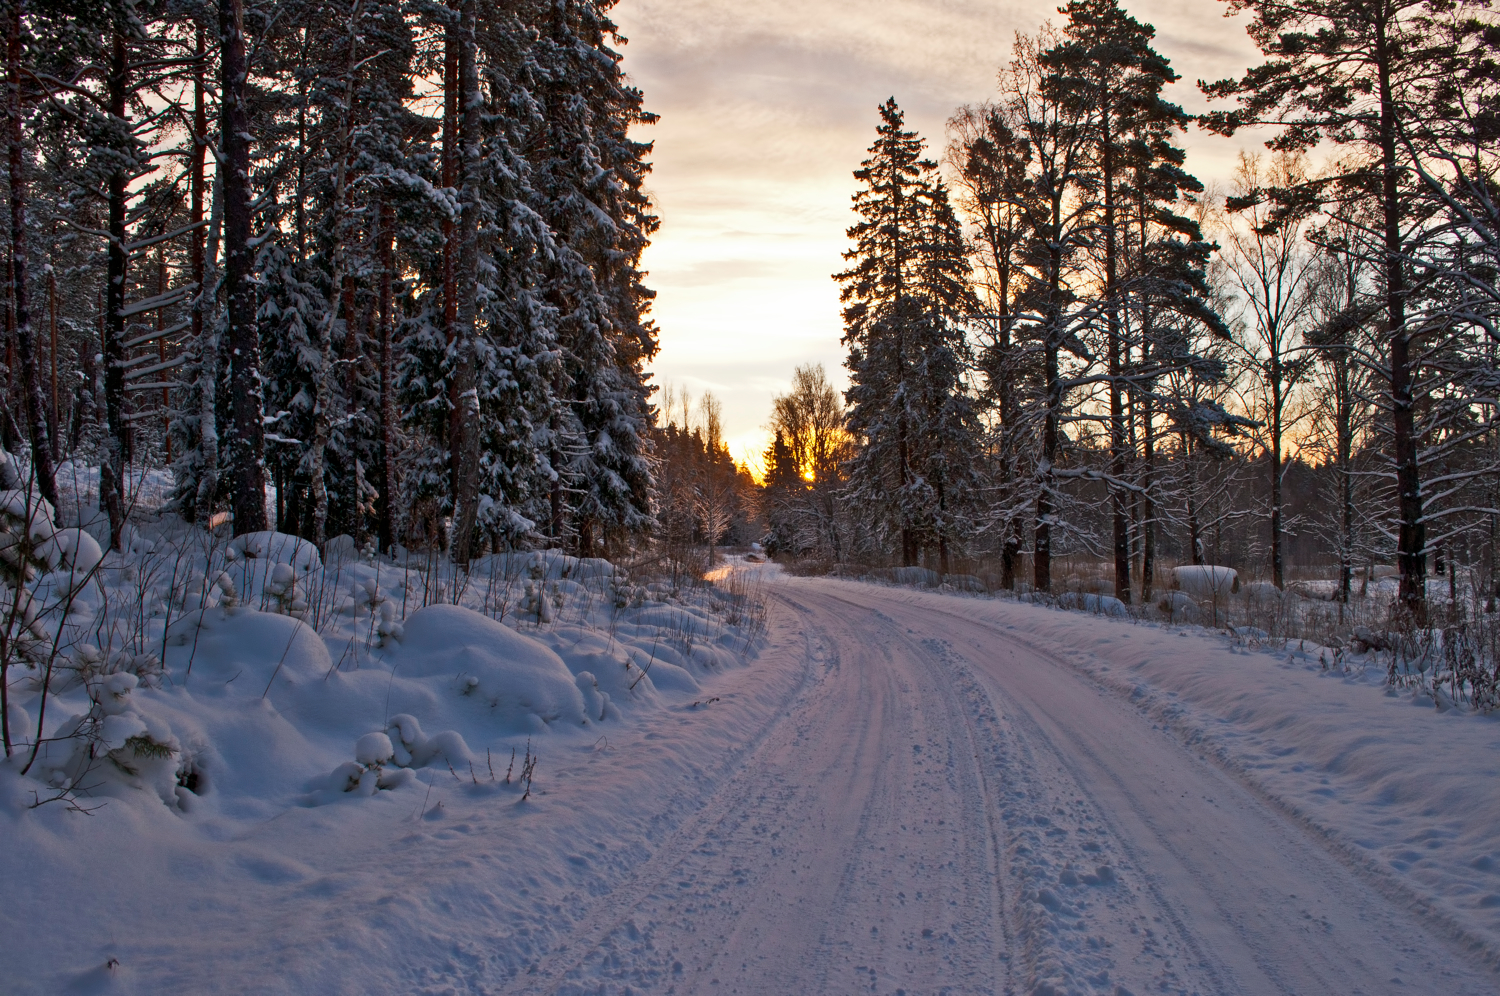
[[768, 108]]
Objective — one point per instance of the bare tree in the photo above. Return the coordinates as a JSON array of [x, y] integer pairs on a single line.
[[1271, 269]]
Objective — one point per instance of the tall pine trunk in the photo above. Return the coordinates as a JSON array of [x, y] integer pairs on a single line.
[[1195, 527], [36, 410], [206, 277], [1010, 545], [1278, 402], [56, 410], [1119, 514], [451, 44], [1346, 486], [112, 474], [317, 456], [386, 509], [1148, 503], [466, 379], [247, 443], [1051, 428], [1411, 541]]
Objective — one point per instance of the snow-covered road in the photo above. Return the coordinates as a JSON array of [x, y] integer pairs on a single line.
[[946, 807], [903, 792]]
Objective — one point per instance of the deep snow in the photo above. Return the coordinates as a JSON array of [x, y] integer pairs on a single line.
[[892, 791]]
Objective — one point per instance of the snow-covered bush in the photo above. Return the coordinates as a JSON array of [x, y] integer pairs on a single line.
[[1098, 604], [1179, 606], [191, 660], [522, 684], [278, 548], [26, 531], [115, 741], [281, 587], [919, 576]]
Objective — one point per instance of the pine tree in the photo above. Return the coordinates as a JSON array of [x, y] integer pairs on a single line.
[[1353, 73], [1106, 64], [905, 294], [1055, 197], [31, 383]]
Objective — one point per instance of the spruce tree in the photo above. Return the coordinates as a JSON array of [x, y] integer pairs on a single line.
[[905, 293], [589, 177]]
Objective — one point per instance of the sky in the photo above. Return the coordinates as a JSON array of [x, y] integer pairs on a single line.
[[768, 107]]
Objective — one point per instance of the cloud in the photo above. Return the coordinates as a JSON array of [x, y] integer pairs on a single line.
[[768, 107]]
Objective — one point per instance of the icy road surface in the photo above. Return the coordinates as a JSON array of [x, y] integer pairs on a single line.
[[947, 808]]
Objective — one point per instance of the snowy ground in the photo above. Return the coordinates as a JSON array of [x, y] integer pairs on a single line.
[[902, 792]]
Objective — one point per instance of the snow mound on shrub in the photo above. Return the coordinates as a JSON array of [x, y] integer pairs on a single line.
[[1106, 605], [917, 576], [1179, 607], [219, 645], [522, 682], [279, 548], [543, 565]]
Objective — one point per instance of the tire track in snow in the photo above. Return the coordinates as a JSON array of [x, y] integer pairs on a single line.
[[1174, 723], [1272, 896], [965, 779], [1063, 887], [612, 913], [841, 858]]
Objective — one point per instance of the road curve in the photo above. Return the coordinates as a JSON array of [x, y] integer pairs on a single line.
[[946, 809]]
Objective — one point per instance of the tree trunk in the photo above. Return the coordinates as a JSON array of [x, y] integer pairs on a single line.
[[56, 412], [209, 358], [451, 45], [1148, 504], [1010, 546], [161, 353], [1411, 541], [1277, 403], [207, 436], [247, 449], [1051, 439], [36, 411], [1119, 515], [386, 520], [118, 454], [466, 380], [1195, 528], [942, 531]]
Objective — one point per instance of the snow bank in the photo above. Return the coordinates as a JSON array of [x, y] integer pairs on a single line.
[[246, 714], [525, 686], [260, 673]]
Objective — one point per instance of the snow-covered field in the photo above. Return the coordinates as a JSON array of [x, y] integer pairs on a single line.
[[878, 790]]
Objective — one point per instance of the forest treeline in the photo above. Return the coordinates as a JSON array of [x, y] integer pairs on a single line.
[[374, 267], [1060, 344], [377, 260]]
